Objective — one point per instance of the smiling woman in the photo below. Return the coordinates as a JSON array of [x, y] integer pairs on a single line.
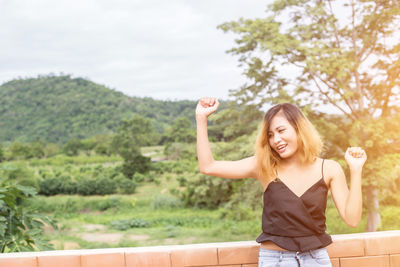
[[295, 181]]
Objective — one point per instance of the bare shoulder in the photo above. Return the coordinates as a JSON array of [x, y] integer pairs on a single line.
[[332, 169]]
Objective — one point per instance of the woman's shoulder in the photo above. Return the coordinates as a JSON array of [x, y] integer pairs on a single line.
[[331, 169], [331, 165]]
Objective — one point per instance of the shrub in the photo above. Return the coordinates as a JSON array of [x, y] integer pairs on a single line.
[[63, 205], [181, 180], [57, 185], [179, 151], [104, 186], [206, 192], [86, 187], [390, 218], [166, 202], [99, 186], [138, 177], [126, 186], [68, 186], [136, 164], [49, 186], [20, 228], [126, 224]]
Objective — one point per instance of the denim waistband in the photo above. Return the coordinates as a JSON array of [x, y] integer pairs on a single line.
[[290, 254]]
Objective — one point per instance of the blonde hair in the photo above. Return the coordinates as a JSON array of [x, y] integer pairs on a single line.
[[308, 139]]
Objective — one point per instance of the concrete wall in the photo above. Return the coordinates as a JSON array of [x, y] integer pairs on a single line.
[[379, 249]]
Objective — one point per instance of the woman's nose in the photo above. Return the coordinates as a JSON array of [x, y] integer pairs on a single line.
[[277, 138]]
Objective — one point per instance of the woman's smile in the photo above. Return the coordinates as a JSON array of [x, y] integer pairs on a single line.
[[282, 136]]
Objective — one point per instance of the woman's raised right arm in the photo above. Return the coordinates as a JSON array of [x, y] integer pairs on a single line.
[[244, 168]]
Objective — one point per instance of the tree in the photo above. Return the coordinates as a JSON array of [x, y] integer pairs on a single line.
[[37, 149], [181, 131], [1, 154], [131, 136], [20, 228], [72, 147], [351, 64], [230, 122], [20, 151]]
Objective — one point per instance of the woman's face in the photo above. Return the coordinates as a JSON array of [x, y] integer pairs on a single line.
[[282, 136]]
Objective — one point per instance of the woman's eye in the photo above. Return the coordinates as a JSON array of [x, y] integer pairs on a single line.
[[281, 131]]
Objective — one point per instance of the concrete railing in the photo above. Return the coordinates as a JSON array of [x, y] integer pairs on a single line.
[[378, 249]]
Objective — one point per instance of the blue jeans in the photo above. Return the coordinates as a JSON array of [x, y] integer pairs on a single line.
[[275, 258]]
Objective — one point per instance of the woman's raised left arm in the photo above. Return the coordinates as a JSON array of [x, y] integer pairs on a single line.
[[348, 202]]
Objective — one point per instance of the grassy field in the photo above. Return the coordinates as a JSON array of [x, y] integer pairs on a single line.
[[152, 215]]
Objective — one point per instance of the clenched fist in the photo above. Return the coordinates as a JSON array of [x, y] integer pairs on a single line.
[[355, 158], [206, 106]]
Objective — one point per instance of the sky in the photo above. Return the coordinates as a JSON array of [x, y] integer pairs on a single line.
[[170, 50]]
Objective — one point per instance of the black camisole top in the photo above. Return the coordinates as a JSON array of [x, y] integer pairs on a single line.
[[292, 222]]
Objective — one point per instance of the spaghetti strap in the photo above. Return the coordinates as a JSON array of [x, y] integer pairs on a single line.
[[322, 168]]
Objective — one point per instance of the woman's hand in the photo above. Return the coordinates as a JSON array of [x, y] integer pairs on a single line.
[[355, 158], [206, 106]]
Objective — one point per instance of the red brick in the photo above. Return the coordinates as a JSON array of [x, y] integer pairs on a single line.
[[335, 262], [18, 262], [382, 245], [148, 259], [59, 261], [395, 260], [346, 248], [194, 257], [366, 261], [238, 255], [103, 260]]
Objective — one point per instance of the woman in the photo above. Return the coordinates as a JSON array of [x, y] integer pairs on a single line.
[[295, 182]]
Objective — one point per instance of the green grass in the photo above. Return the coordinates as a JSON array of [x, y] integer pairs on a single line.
[[62, 160], [168, 222]]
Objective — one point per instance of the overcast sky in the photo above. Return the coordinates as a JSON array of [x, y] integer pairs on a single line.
[[161, 49]]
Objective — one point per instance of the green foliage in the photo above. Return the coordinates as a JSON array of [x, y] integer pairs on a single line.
[[181, 131], [132, 134], [59, 108], [177, 167], [125, 186], [18, 171], [166, 202], [84, 180], [136, 164], [346, 65], [63, 205], [239, 148], [180, 151], [1, 154], [235, 121], [245, 203], [84, 186], [390, 218], [205, 192], [171, 231], [138, 177], [92, 186], [37, 150], [20, 151], [72, 147], [61, 160], [20, 228], [129, 223]]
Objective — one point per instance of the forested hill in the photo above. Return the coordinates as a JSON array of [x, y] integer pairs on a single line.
[[58, 108]]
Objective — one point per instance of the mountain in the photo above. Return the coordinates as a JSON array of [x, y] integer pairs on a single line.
[[58, 108]]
